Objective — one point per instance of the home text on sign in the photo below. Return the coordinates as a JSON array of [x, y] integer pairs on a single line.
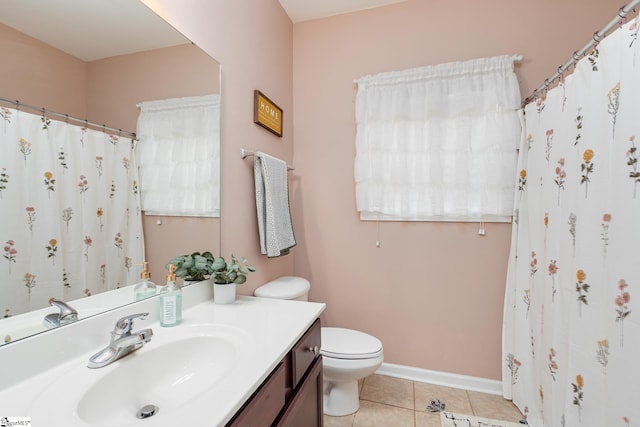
[[267, 114]]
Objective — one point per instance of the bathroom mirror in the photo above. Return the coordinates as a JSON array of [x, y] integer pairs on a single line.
[[122, 54]]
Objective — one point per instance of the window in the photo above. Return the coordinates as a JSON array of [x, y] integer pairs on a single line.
[[438, 142], [178, 154]]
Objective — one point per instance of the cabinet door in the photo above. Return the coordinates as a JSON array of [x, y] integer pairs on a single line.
[[305, 352], [263, 407], [305, 409]]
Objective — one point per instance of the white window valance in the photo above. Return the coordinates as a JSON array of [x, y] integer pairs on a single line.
[[179, 156], [438, 142]]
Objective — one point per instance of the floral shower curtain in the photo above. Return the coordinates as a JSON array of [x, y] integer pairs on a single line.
[[571, 337], [70, 218]]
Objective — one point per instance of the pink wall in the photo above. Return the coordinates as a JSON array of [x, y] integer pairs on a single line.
[[117, 84], [432, 292], [40, 75], [253, 41]]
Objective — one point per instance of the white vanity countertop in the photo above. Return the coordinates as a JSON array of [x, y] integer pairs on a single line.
[[267, 328]]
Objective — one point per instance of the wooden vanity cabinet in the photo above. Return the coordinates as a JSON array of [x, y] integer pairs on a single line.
[[305, 408], [291, 396]]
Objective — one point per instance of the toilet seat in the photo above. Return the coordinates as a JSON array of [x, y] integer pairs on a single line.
[[341, 343]]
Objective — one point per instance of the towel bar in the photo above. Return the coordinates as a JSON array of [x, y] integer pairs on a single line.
[[246, 153]]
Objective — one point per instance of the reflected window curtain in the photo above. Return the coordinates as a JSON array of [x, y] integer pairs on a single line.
[[438, 142], [179, 156], [571, 331], [71, 223]]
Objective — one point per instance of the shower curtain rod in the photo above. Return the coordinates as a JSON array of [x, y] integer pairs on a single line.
[[597, 37], [67, 117]]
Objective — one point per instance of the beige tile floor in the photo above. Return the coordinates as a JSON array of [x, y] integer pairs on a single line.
[[393, 402]]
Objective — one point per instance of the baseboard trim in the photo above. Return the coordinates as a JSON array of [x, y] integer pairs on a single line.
[[441, 378]]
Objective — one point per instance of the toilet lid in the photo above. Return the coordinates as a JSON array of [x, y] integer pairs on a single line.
[[287, 287], [343, 343]]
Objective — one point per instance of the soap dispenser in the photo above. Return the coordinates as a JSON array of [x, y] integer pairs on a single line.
[[170, 301], [146, 288]]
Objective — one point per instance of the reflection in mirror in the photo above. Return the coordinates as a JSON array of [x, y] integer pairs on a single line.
[[59, 58]]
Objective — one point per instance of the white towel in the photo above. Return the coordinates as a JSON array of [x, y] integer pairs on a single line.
[[272, 203]]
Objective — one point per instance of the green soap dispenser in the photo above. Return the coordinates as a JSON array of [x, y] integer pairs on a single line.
[[146, 288], [170, 301]]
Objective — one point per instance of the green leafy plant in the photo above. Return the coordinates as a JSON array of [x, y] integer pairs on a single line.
[[196, 267], [201, 266], [231, 271]]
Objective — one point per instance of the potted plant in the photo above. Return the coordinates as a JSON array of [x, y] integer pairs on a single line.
[[226, 275], [195, 267]]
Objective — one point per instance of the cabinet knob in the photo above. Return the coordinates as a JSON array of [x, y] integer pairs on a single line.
[[315, 350]]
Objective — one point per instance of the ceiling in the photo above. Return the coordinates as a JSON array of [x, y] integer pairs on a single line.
[[113, 27], [96, 29], [304, 10]]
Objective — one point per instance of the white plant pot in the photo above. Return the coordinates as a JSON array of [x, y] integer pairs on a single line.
[[224, 293]]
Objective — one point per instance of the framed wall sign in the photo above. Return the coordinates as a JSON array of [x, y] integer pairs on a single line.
[[266, 113]]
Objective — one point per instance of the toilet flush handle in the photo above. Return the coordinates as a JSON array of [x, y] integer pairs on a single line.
[[315, 350]]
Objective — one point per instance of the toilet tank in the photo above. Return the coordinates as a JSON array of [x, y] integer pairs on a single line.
[[285, 287]]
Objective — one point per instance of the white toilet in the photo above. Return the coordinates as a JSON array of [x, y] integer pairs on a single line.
[[347, 355]]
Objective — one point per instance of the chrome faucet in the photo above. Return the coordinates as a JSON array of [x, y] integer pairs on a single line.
[[122, 342], [67, 314]]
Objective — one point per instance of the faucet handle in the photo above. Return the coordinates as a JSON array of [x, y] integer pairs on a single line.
[[67, 313], [125, 324]]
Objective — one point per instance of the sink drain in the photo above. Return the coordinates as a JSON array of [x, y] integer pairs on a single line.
[[147, 411]]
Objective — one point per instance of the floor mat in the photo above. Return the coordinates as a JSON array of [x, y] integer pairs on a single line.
[[449, 419]]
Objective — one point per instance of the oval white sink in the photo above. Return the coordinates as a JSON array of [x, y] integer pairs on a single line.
[[177, 369]]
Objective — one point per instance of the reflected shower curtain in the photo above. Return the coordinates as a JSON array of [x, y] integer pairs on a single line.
[[571, 337], [70, 223]]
